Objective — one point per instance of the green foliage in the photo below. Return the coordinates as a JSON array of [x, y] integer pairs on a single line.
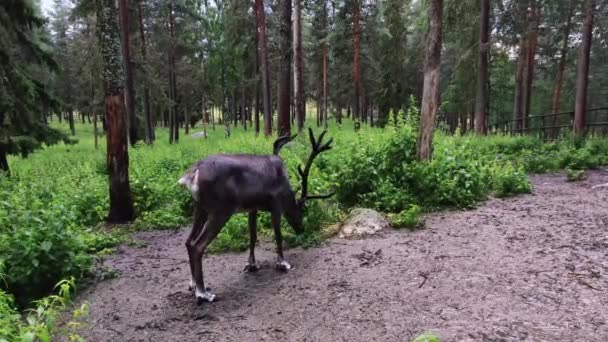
[[41, 322], [575, 175], [428, 337], [409, 218]]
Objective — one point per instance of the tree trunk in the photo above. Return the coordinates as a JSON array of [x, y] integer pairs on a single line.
[[285, 74], [121, 201], [481, 113], [356, 57], [4, 161], [430, 92], [264, 69], [518, 123], [147, 115], [324, 110], [173, 118], [123, 7], [559, 78], [71, 121], [583, 70], [530, 62], [298, 67]]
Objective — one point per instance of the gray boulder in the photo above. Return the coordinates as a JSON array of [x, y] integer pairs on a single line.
[[363, 222]]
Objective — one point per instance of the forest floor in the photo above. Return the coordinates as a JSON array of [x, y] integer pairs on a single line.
[[532, 267]]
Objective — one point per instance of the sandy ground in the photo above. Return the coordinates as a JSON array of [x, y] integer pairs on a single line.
[[532, 267]]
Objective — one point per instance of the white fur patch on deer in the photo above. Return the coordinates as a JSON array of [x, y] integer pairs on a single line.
[[190, 181]]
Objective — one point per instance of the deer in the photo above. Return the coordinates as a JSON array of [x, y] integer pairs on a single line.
[[222, 185]]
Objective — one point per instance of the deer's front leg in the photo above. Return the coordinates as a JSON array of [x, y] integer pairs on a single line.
[[200, 217], [281, 265], [197, 248], [252, 266]]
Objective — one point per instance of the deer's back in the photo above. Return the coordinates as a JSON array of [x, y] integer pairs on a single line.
[[247, 182]]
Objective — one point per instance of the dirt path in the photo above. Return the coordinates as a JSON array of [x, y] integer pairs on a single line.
[[533, 267]]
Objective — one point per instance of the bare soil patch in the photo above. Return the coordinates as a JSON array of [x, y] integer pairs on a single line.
[[532, 267]]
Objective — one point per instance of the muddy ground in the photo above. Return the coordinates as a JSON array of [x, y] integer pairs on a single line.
[[533, 267]]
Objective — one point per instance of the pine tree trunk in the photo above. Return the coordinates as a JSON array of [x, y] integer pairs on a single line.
[[147, 114], [324, 110], [430, 92], [482, 88], [356, 58], [284, 126], [583, 70], [264, 69], [518, 123], [173, 115], [559, 78], [71, 121], [123, 6], [528, 79], [298, 67], [121, 200], [4, 168]]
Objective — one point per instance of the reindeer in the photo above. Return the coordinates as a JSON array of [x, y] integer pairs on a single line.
[[226, 184]]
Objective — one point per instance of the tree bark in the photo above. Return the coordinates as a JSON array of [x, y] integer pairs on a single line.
[[285, 75], [298, 67], [530, 61], [324, 110], [430, 92], [481, 113], [173, 115], [121, 200], [583, 70], [561, 68], [264, 69], [144, 55], [123, 7], [71, 121], [518, 123], [4, 161], [356, 58]]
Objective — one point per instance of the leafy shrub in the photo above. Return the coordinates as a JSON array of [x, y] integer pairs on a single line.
[[409, 218], [508, 180], [575, 175]]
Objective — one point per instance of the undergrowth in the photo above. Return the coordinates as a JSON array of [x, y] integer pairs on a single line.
[[52, 207]]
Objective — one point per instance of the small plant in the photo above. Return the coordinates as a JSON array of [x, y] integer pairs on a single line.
[[427, 337], [575, 175], [409, 218]]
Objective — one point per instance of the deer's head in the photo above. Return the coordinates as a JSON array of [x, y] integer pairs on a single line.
[[296, 207]]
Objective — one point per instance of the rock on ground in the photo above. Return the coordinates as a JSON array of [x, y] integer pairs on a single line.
[[363, 222]]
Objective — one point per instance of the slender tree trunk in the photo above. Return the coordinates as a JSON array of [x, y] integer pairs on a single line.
[[121, 201], [530, 61], [324, 110], [285, 77], [518, 123], [298, 66], [583, 70], [123, 7], [144, 55], [71, 121], [4, 168], [559, 78], [173, 118], [482, 88], [264, 69], [356, 57], [430, 93]]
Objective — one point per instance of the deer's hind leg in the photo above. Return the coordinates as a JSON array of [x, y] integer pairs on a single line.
[[197, 248], [252, 266], [200, 217]]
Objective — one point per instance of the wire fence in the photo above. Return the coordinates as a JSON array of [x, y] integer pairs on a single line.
[[554, 125]]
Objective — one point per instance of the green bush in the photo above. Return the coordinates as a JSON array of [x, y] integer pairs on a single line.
[[409, 218]]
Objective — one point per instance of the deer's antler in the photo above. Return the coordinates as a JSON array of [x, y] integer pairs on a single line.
[[317, 148], [281, 141]]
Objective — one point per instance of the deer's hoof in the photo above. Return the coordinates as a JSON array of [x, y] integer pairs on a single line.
[[251, 268], [283, 266], [203, 296]]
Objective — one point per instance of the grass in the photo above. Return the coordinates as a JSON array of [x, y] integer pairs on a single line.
[[53, 206]]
